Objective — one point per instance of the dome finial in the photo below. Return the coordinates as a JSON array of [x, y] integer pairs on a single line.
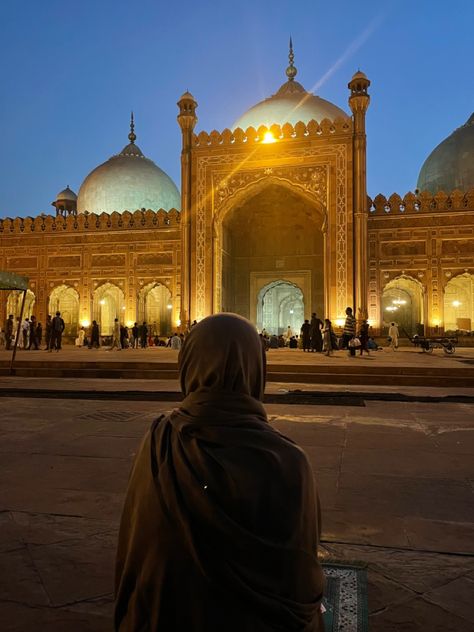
[[132, 137], [291, 70]]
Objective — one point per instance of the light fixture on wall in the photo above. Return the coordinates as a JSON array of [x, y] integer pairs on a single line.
[[102, 301], [169, 306]]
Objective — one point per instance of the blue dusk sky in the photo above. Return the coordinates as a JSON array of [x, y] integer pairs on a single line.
[[72, 71]]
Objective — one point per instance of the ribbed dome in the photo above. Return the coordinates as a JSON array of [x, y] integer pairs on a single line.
[[127, 182], [292, 103], [451, 164]]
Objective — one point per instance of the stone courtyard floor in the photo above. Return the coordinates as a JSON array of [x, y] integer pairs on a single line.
[[395, 479]]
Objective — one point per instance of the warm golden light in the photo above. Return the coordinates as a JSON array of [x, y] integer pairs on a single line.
[[129, 323], [102, 301], [178, 322], [85, 323], [456, 303], [340, 322], [268, 138], [436, 322]]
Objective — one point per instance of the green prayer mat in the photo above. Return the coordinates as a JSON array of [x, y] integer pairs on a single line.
[[346, 598]]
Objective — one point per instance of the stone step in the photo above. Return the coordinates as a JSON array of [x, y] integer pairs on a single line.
[[386, 376]]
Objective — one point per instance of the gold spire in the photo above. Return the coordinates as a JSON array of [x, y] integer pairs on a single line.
[[132, 137], [291, 70]]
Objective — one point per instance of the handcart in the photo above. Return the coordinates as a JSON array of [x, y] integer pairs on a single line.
[[427, 344]]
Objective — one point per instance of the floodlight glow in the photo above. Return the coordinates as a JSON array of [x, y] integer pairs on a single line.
[[85, 323], [456, 303], [102, 301], [268, 138]]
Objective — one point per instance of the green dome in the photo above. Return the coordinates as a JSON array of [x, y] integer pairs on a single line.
[[127, 182], [451, 164]]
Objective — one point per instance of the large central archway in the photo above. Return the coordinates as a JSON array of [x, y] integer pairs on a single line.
[[280, 304], [272, 236]]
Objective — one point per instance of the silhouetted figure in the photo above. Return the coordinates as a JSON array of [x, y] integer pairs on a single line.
[[220, 526], [349, 328], [9, 327], [364, 337], [47, 332], [306, 335], [328, 338], [316, 335], [95, 336], [33, 341], [57, 328], [143, 335]]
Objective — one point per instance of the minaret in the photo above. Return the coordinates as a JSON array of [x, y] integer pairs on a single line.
[[359, 102], [187, 120]]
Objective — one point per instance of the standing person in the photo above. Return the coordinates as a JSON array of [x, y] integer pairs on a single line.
[[349, 328], [328, 337], [124, 336], [143, 335], [116, 336], [194, 515], [95, 336], [25, 333], [364, 337], [9, 327], [135, 336], [288, 335], [47, 332], [57, 328], [393, 336], [306, 335], [316, 337], [17, 331], [81, 334], [39, 334], [32, 337], [175, 342]]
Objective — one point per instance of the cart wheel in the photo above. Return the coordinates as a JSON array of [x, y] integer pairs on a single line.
[[449, 348]]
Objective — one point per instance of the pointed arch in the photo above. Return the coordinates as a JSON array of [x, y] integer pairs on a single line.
[[65, 299], [108, 303]]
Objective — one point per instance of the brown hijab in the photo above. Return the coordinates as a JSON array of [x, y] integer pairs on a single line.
[[220, 528]]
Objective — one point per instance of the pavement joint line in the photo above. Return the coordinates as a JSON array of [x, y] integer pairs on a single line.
[[397, 548], [349, 398]]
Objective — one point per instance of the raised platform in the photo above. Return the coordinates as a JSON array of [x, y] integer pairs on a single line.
[[405, 367]]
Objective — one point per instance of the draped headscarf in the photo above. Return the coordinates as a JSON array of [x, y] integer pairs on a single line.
[[220, 525]]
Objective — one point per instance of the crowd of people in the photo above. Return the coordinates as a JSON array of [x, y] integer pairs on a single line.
[[136, 337], [32, 336], [318, 336], [30, 333]]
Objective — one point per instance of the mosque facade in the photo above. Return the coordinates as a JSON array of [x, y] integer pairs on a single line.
[[273, 222]]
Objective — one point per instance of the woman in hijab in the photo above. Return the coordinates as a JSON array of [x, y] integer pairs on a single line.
[[220, 525]]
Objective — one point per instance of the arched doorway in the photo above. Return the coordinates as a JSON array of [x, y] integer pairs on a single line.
[[271, 237], [280, 304], [65, 299], [154, 306], [402, 303], [14, 301], [108, 304], [459, 303]]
